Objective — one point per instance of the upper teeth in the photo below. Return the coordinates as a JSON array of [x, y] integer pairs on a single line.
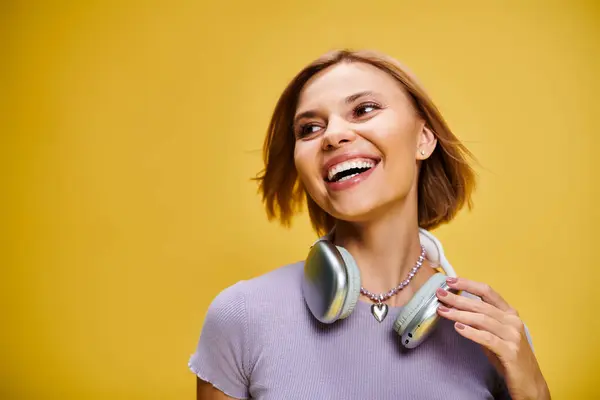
[[343, 166]]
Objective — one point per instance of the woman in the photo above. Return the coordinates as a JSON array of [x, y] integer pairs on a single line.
[[357, 137]]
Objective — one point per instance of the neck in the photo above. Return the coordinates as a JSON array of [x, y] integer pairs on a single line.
[[385, 250]]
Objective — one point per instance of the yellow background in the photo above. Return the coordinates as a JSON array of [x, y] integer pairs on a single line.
[[130, 131]]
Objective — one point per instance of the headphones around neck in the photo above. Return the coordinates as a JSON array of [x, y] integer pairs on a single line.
[[331, 288]]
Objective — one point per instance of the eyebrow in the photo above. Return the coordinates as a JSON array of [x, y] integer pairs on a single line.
[[358, 95], [347, 100]]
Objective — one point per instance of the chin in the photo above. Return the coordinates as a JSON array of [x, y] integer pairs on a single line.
[[368, 201], [355, 210]]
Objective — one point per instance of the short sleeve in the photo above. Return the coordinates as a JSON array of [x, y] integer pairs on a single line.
[[221, 356]]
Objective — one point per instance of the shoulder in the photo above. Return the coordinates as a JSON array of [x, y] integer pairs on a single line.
[[240, 302], [273, 284], [225, 353], [237, 313]]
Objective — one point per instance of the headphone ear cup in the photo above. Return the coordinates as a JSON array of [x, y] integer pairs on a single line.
[[353, 274], [419, 317], [331, 282]]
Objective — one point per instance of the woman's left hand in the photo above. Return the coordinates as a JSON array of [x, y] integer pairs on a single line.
[[496, 326]]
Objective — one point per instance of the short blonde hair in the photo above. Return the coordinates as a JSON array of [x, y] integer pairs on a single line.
[[446, 180]]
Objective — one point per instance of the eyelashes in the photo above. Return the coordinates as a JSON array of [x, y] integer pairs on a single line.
[[363, 106], [305, 130], [362, 112]]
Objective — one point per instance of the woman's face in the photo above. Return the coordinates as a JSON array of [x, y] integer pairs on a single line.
[[358, 141]]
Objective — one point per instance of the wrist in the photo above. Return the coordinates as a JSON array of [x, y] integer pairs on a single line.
[[540, 391]]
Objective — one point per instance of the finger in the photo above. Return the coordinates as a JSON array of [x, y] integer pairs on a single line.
[[484, 338], [467, 304], [482, 290], [482, 322]]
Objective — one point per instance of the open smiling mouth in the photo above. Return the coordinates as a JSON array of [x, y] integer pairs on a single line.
[[349, 169]]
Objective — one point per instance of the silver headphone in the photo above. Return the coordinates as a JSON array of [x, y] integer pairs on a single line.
[[331, 288]]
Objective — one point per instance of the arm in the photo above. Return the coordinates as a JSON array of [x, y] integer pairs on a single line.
[[206, 391]]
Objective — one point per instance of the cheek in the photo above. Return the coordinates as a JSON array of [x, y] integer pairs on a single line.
[[400, 161], [399, 139], [304, 160], [394, 132], [398, 146]]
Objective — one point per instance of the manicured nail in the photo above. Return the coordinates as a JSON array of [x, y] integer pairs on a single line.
[[451, 280], [443, 309], [442, 292], [459, 326]]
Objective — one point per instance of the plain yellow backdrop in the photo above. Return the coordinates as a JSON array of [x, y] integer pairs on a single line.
[[130, 131]]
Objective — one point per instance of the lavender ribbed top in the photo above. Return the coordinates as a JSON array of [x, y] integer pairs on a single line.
[[260, 341]]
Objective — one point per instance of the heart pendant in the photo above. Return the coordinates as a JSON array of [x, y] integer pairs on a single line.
[[379, 311]]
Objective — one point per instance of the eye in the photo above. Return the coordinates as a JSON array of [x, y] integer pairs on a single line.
[[307, 130], [366, 108]]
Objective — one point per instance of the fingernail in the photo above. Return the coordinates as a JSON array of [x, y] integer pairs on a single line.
[[459, 326], [442, 292], [443, 309], [451, 280]]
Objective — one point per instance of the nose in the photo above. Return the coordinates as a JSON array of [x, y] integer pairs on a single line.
[[337, 134]]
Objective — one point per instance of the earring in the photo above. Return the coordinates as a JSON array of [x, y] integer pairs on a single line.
[[422, 152]]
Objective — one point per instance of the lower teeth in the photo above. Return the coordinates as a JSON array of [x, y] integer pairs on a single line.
[[347, 177]]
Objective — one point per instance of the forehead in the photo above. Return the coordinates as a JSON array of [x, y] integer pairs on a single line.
[[336, 83]]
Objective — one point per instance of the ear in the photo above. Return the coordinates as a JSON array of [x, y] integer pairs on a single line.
[[426, 143]]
